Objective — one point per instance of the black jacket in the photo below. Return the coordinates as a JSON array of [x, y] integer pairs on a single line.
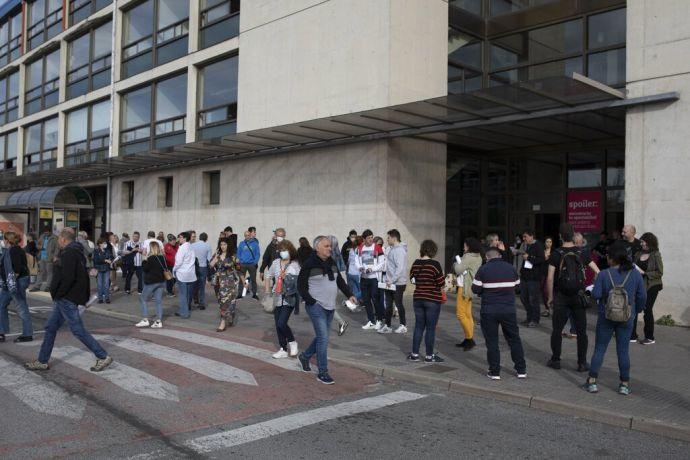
[[270, 254], [18, 258], [315, 266], [70, 278], [535, 251], [153, 269]]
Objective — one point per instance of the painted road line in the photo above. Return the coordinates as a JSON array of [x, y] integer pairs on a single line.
[[226, 345], [26, 343], [250, 433], [126, 377], [38, 393], [204, 366]]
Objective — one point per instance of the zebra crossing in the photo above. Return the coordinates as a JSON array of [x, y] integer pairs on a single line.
[[43, 396]]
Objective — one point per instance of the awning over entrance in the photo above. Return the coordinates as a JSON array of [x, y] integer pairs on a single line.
[[48, 197], [546, 111]]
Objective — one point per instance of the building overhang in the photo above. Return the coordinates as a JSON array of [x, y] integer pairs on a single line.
[[548, 111], [60, 197]]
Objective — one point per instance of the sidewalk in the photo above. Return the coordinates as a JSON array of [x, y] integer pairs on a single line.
[[660, 377]]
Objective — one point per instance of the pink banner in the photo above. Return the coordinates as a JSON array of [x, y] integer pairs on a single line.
[[584, 211]]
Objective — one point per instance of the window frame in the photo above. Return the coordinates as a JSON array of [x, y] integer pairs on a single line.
[[92, 5], [105, 60], [42, 164], [4, 159], [11, 105], [203, 14], [90, 153], [128, 201], [54, 85], [14, 43], [48, 21], [202, 112]]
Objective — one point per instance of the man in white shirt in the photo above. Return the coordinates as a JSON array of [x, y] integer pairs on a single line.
[[370, 262], [185, 274], [133, 249], [203, 253], [150, 236]]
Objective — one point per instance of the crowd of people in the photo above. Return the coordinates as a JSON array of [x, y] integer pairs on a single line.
[[557, 281]]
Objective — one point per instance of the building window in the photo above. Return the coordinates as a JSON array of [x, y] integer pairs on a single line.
[[220, 21], [44, 21], [9, 98], [128, 194], [211, 187], [89, 61], [82, 9], [217, 114], [10, 39], [606, 36], [154, 117], [464, 62], [155, 32], [165, 192], [88, 134], [40, 146], [8, 151], [42, 78]]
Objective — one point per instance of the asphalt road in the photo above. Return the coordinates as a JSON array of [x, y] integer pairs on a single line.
[[176, 395]]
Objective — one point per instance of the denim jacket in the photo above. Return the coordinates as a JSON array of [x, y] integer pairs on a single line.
[[637, 294]]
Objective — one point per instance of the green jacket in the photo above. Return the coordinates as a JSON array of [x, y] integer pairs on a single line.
[[466, 270], [655, 269]]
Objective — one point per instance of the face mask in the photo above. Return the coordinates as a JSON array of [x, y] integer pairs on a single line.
[[279, 239], [285, 255]]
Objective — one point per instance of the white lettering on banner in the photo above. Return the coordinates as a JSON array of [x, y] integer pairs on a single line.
[[583, 204]]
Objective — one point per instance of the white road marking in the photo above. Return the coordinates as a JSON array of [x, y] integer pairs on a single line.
[[25, 343], [204, 366], [39, 394], [126, 377], [225, 345], [250, 433]]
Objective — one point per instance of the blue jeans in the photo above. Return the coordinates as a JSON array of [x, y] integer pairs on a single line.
[[156, 291], [321, 320], [200, 286], [63, 310], [370, 297], [425, 319], [103, 282], [281, 316], [508, 323], [353, 283], [604, 332], [22, 308], [184, 294]]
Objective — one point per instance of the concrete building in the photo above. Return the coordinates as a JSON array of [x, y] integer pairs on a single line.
[[443, 119]]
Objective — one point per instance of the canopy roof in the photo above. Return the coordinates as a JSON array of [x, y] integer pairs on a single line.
[[49, 197]]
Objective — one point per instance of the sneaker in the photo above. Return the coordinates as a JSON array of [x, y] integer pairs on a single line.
[[532, 324], [158, 324], [582, 367], [412, 357], [24, 338], [342, 328], [101, 364], [623, 389], [369, 325], [127, 292], [633, 339], [554, 363], [143, 323], [325, 379], [402, 329], [37, 366], [378, 325], [469, 344], [170, 296], [493, 376], [647, 341], [280, 354], [522, 375], [304, 363], [107, 300], [385, 330], [433, 359], [462, 344], [590, 387], [292, 346]]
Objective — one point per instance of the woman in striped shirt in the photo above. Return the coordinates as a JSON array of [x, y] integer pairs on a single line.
[[427, 276]]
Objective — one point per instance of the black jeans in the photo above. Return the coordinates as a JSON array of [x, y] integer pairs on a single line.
[[140, 278], [652, 294], [508, 322], [529, 295], [281, 316], [252, 277], [397, 297], [563, 307], [370, 297]]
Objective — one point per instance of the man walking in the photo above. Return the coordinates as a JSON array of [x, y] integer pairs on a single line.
[[184, 273], [132, 259], [271, 252], [495, 283], [530, 277], [248, 254], [203, 253], [69, 289], [48, 247], [396, 282], [370, 261], [318, 284]]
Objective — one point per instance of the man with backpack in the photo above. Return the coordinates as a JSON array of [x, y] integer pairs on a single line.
[[565, 284], [248, 252]]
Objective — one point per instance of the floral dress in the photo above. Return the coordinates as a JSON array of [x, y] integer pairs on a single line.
[[226, 283]]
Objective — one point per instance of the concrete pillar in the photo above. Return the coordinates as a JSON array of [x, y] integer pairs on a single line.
[[20, 151], [190, 122], [115, 107], [62, 84], [22, 89], [656, 160], [62, 137], [118, 21], [194, 23]]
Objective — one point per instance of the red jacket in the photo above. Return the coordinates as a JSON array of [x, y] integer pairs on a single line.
[[170, 252]]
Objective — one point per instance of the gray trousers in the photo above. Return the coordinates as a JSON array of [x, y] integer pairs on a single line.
[[45, 275]]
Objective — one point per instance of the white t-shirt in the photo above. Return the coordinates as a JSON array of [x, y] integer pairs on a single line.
[[184, 264]]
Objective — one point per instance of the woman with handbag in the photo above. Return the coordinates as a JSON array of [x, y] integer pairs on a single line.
[[102, 258], [155, 274], [226, 281], [283, 272], [651, 267]]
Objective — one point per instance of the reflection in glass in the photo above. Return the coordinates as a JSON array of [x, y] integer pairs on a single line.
[[607, 29], [219, 83], [139, 22], [473, 6], [615, 168], [608, 67], [100, 119], [137, 108], [171, 11], [77, 123], [584, 169], [102, 40], [33, 138], [79, 52], [171, 97]]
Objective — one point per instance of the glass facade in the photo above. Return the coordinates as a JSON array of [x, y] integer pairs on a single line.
[[88, 134], [82, 9], [89, 61], [8, 151], [220, 21], [40, 146], [10, 38], [42, 78], [217, 112], [9, 98], [44, 21]]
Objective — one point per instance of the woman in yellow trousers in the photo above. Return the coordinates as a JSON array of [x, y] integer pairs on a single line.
[[465, 268]]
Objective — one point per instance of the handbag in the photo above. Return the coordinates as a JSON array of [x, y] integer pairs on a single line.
[[268, 304], [167, 274]]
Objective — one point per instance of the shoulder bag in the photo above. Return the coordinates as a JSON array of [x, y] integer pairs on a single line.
[[167, 274]]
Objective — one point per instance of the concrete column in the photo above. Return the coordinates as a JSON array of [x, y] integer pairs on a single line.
[[192, 83], [20, 151], [62, 137], [118, 21], [194, 25], [116, 104], [22, 88], [62, 84]]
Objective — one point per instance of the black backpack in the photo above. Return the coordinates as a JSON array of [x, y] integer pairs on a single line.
[[571, 273]]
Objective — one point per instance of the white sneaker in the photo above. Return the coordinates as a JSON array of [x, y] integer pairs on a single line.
[[143, 323], [369, 325], [280, 354], [401, 329], [522, 376], [292, 346], [378, 325], [385, 330], [158, 324]]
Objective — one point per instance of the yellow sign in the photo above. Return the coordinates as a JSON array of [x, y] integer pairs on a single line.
[[45, 213], [72, 216]]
